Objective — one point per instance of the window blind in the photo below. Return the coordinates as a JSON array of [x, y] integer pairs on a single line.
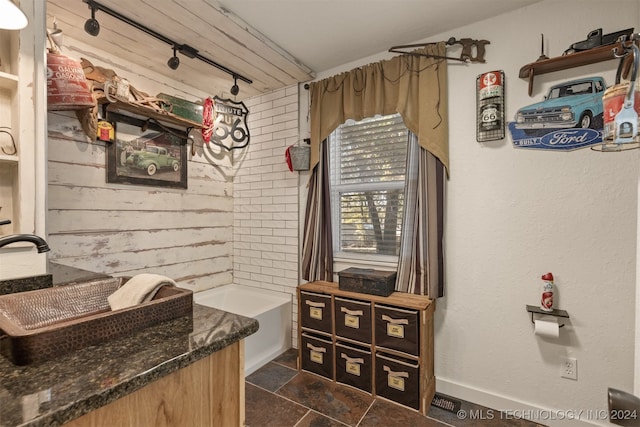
[[367, 168]]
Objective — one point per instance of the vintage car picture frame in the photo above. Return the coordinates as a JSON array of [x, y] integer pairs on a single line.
[[146, 152]]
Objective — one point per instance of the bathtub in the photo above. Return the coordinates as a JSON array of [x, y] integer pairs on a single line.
[[271, 309]]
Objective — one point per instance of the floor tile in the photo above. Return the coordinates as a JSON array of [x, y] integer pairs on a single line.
[[384, 414], [289, 358], [314, 419], [278, 395], [341, 403], [265, 409], [271, 376]]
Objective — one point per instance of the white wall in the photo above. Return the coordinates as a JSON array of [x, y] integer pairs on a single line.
[[512, 215]]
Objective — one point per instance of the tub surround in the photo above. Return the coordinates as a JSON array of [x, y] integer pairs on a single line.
[[59, 391], [271, 309]]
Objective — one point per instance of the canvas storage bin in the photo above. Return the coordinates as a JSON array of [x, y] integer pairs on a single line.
[[315, 311], [398, 379], [353, 319], [367, 281], [317, 355], [397, 329], [354, 366]]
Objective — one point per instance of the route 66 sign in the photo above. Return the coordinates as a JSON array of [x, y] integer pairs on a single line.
[[490, 106], [227, 125]]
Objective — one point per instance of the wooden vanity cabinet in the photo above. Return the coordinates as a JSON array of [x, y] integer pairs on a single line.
[[208, 392], [381, 345]]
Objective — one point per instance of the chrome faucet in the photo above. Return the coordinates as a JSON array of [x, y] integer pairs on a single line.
[[39, 242]]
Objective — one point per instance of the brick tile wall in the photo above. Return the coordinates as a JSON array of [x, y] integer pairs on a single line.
[[265, 225]]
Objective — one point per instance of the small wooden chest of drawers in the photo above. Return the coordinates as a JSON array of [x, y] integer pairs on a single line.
[[380, 344]]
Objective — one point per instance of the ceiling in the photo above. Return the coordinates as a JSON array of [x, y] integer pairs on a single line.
[[273, 43]]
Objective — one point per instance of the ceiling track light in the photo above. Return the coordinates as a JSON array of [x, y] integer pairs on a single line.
[[235, 89], [174, 61], [92, 26]]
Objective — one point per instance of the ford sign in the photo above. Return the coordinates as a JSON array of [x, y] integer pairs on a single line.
[[556, 139]]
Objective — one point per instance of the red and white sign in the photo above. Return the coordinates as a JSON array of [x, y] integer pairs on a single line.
[[490, 84]]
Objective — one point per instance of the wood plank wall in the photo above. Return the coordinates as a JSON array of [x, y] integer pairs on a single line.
[[129, 229], [189, 235]]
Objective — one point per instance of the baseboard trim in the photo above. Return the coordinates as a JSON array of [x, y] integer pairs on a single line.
[[546, 416]]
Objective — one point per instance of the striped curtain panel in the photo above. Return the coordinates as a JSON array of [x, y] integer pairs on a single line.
[[317, 244], [421, 260]]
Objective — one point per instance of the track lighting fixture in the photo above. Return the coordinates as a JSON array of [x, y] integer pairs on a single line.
[[11, 16], [92, 26], [174, 61], [235, 89]]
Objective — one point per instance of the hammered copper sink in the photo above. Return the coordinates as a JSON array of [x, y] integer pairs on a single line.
[[47, 323]]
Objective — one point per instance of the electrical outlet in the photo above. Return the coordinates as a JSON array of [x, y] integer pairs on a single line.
[[570, 368]]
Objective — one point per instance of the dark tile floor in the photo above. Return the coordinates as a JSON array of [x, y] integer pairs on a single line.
[[278, 395]]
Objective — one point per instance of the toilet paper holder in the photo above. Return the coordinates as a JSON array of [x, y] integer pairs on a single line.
[[555, 312]]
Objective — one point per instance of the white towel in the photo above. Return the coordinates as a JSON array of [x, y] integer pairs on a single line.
[[140, 288]]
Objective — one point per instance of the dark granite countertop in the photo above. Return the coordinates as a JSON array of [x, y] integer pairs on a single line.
[[57, 391]]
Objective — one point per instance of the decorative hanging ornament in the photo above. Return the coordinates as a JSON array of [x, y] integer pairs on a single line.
[[207, 120]]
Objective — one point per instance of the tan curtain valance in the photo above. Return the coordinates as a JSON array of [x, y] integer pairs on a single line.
[[414, 86]]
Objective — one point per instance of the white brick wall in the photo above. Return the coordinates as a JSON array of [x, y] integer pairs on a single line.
[[265, 225]]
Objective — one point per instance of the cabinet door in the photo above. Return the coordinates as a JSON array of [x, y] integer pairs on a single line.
[[397, 329], [353, 319], [315, 311]]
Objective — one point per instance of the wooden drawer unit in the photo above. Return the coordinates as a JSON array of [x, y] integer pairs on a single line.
[[317, 355], [398, 379], [353, 319], [397, 329], [315, 310], [380, 344], [354, 366]]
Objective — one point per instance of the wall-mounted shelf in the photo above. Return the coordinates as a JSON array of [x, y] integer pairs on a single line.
[[555, 312], [578, 59], [151, 113]]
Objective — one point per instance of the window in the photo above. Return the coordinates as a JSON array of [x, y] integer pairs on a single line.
[[367, 168]]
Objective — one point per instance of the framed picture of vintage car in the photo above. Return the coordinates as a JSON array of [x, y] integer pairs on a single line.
[[146, 152]]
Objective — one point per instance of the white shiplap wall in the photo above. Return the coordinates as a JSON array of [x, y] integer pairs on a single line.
[[128, 229], [265, 228], [236, 222]]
